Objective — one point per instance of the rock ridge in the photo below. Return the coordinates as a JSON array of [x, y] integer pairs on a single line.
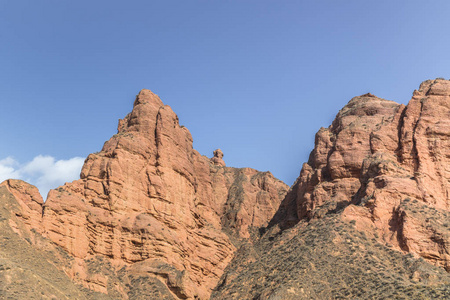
[[151, 218], [148, 201], [375, 155], [374, 193]]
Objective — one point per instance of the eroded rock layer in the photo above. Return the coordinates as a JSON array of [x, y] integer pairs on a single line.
[[374, 159], [31, 267], [149, 202], [151, 218], [376, 187]]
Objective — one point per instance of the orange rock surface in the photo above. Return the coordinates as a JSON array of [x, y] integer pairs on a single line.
[[375, 159], [149, 198], [30, 201], [149, 206]]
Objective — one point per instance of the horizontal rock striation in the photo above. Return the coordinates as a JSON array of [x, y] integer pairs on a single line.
[[368, 213], [150, 217], [149, 199], [375, 157]]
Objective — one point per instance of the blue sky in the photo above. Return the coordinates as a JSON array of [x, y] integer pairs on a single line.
[[254, 78]]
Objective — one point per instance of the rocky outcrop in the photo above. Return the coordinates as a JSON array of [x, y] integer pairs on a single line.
[[217, 159], [148, 202], [31, 266], [375, 157], [368, 213], [150, 217], [30, 203]]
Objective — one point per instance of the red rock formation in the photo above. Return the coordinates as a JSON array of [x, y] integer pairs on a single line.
[[376, 157], [29, 200], [149, 206], [148, 199], [217, 159]]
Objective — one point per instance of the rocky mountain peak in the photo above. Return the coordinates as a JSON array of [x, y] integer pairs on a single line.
[[437, 87], [151, 218], [149, 202], [374, 156], [377, 185]]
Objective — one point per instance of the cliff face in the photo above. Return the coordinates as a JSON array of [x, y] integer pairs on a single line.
[[376, 155], [381, 166], [152, 218], [148, 201], [31, 267]]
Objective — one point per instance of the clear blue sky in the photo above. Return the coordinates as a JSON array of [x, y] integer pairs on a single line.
[[254, 78]]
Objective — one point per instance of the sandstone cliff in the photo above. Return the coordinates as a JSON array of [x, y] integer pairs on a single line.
[[31, 267], [150, 217], [376, 160], [150, 205], [381, 167]]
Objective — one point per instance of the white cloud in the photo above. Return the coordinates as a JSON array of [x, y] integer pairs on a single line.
[[7, 169], [43, 171]]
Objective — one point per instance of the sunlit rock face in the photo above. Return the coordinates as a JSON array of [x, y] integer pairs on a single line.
[[149, 201], [217, 159], [151, 218], [368, 217], [382, 163]]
